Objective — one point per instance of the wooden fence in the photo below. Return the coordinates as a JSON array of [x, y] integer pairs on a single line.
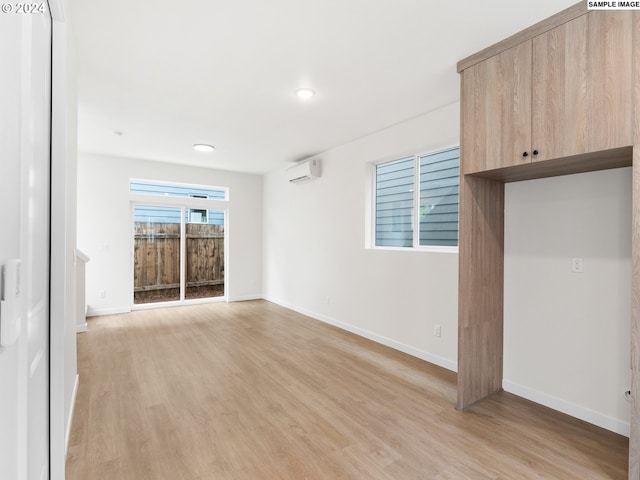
[[157, 261]]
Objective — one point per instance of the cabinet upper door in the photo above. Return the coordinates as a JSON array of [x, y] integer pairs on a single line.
[[496, 111], [582, 86]]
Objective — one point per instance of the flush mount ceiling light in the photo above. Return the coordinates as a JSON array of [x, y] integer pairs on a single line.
[[305, 93], [203, 147]]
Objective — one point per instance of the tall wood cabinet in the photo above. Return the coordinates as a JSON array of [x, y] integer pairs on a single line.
[[557, 98]]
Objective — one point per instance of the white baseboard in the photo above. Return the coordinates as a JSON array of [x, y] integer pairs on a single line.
[[564, 406], [70, 420], [414, 352], [95, 312], [81, 328]]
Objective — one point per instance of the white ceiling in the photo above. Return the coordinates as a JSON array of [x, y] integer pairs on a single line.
[[169, 74]]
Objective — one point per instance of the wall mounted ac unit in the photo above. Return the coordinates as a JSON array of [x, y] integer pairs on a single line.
[[304, 171]]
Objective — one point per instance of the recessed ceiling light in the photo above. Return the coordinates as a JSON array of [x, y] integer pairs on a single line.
[[203, 147], [305, 93]]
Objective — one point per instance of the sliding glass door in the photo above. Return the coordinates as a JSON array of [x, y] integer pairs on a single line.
[[178, 254]]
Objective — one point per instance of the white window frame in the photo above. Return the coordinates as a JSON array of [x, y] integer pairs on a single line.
[[185, 204], [179, 184], [371, 229]]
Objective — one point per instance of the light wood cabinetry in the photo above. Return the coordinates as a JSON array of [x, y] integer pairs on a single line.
[[496, 116], [567, 88], [582, 94], [565, 92], [480, 302]]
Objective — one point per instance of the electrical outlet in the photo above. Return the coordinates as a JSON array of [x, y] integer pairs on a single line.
[[437, 331], [327, 299], [102, 293], [577, 266]]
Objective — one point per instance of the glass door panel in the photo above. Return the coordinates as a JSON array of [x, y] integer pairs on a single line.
[[204, 254], [156, 275]]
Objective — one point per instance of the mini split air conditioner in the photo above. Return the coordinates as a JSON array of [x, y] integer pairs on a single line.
[[304, 171]]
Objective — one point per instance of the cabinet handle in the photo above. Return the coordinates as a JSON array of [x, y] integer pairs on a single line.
[[535, 152], [525, 154]]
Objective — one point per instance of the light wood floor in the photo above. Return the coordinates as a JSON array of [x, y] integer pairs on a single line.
[[251, 390]]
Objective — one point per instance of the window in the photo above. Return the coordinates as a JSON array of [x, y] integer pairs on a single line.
[[159, 214], [175, 190], [434, 209], [394, 203]]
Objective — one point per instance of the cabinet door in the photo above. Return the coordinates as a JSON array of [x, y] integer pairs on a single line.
[[582, 86], [496, 111]]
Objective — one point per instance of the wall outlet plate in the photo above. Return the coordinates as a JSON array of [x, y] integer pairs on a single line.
[[577, 266]]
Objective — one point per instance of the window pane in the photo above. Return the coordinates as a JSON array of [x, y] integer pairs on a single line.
[[150, 214], [394, 203], [194, 191], [205, 256], [156, 276], [439, 178]]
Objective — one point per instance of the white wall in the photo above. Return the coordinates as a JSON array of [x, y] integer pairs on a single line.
[[71, 357], [567, 334], [64, 376], [315, 256], [105, 231]]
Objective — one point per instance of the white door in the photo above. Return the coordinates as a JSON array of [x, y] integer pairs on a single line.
[[25, 106]]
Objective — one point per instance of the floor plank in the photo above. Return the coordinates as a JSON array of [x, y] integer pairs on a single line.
[[250, 390]]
